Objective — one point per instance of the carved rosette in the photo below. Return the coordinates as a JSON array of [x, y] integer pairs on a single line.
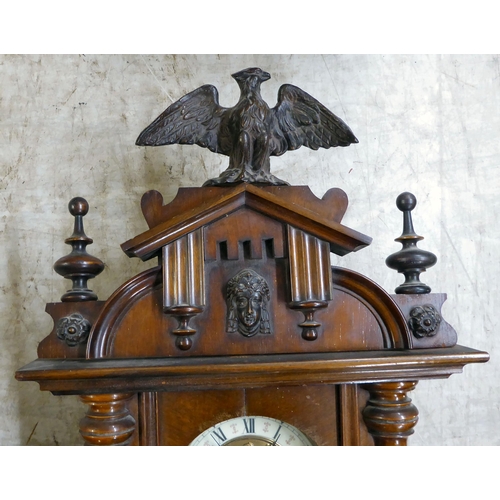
[[184, 284], [247, 298], [424, 321], [310, 278], [73, 329]]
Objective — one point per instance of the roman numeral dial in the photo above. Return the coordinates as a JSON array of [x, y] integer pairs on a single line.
[[252, 431]]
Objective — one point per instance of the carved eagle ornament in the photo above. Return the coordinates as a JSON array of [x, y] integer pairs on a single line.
[[250, 132]]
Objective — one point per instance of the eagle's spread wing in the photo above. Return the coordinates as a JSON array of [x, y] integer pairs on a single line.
[[304, 121], [193, 119]]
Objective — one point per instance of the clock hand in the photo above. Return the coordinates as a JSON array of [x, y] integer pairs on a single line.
[[276, 436]]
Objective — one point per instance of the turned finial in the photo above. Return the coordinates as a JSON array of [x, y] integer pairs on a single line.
[[78, 266], [410, 260]]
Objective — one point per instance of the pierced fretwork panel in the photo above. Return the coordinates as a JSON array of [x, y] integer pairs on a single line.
[[244, 235]]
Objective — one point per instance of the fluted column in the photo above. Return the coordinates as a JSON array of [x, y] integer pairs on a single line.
[[184, 284], [108, 420], [310, 278], [389, 414]]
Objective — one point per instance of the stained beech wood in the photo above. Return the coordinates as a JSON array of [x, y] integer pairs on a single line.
[[349, 415], [52, 346], [147, 414], [313, 409], [194, 373], [108, 420], [332, 205], [79, 266], [445, 336], [360, 316], [390, 416], [214, 205], [182, 415], [171, 352]]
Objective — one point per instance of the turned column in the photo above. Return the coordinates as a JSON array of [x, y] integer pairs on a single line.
[[108, 420], [389, 414]]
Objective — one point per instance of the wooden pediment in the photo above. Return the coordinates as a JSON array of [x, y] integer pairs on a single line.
[[274, 240], [194, 208]]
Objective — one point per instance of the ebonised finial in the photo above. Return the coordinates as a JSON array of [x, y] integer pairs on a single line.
[[78, 266], [410, 260]]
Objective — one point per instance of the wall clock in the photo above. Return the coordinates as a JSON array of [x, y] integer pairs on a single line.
[[244, 315], [252, 431]]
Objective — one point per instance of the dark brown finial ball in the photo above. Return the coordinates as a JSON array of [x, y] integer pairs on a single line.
[[78, 206], [406, 201]]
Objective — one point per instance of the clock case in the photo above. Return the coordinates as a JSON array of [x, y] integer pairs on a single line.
[[178, 348]]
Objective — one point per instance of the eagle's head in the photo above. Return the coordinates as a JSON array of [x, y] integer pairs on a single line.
[[251, 74]]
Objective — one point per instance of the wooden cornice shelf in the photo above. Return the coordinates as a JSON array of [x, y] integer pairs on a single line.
[[148, 374]]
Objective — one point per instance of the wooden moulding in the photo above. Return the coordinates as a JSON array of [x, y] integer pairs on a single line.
[[332, 206], [197, 207], [391, 320], [153, 374], [360, 317], [98, 345]]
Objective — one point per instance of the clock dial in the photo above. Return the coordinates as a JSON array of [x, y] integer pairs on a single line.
[[252, 431]]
